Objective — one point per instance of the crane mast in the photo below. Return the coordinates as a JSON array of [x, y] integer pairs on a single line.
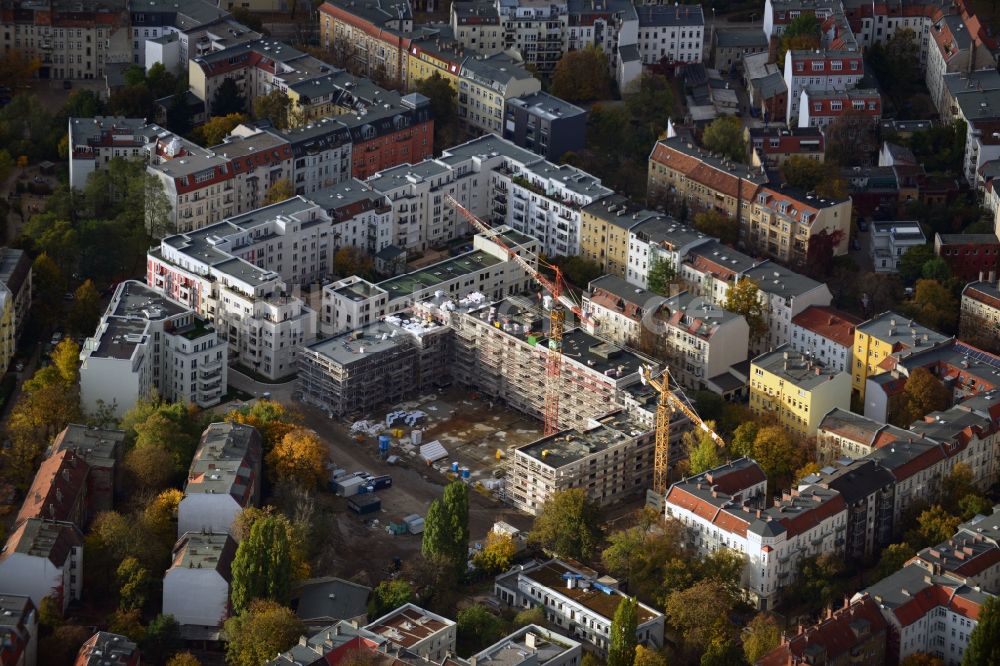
[[557, 315], [661, 453]]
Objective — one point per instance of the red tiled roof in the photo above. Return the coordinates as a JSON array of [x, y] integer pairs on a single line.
[[837, 634], [931, 597], [724, 520], [737, 479], [810, 518], [56, 488], [832, 324]]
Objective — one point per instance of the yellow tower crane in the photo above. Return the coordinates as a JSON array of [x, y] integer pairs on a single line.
[[668, 399]]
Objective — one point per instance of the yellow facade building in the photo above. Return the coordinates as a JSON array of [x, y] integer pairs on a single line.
[[880, 337], [796, 389], [604, 232]]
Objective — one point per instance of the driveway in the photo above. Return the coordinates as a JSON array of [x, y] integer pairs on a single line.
[[279, 392]]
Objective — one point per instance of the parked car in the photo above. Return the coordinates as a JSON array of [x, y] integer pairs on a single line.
[[856, 244], [862, 225]]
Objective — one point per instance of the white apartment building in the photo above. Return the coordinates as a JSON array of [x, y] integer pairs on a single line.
[[536, 29], [196, 586], [726, 507], [933, 614], [209, 271], [660, 239], [353, 302], [891, 240], [541, 199], [93, 142], [417, 192], [610, 461], [359, 216], [224, 478], [670, 33], [980, 311], [823, 70], [147, 342], [699, 340], [826, 335], [784, 294], [485, 84], [69, 40], [425, 634], [41, 556], [577, 600], [531, 646], [620, 308]]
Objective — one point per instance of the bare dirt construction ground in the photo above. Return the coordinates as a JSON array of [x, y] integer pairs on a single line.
[[470, 429]]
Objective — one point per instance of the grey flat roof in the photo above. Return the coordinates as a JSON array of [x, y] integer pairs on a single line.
[[776, 279], [225, 461], [670, 15], [548, 106], [896, 328], [330, 599], [795, 367], [740, 38]]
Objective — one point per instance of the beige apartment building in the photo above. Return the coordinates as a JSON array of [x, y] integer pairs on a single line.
[[783, 221], [680, 169]]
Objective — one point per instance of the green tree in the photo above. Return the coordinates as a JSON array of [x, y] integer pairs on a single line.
[[49, 285], [703, 452], [50, 611], [217, 128], [650, 101], [62, 645], [496, 554], [760, 637], [86, 311], [280, 190], [972, 505], [718, 224], [534, 615], [622, 641], [820, 581], [262, 568], [923, 393], [694, 612], [582, 76], [911, 264], [934, 306], [645, 656], [133, 583], [271, 418], [936, 269], [741, 443], [724, 135], [350, 260], [478, 628], [444, 108], [660, 276], [299, 458], [227, 99], [934, 525], [389, 595], [127, 623], [446, 528], [984, 642], [624, 552], [778, 455], [802, 172], [262, 630], [568, 524], [744, 298], [163, 638], [801, 33], [184, 659]]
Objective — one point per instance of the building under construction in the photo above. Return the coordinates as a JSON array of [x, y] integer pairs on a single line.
[[388, 361], [610, 460]]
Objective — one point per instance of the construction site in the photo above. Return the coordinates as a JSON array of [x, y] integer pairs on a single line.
[[607, 423]]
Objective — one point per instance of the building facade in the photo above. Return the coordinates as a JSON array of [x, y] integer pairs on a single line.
[[145, 343]]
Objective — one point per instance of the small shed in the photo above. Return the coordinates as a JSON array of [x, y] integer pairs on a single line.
[[364, 504]]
